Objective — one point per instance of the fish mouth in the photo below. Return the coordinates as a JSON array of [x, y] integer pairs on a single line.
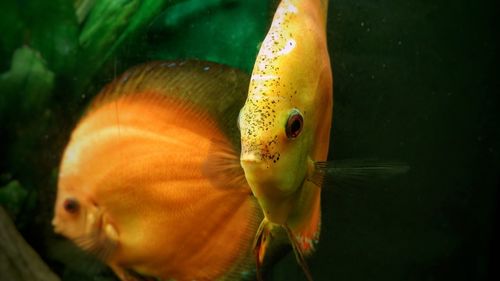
[[250, 158], [55, 225], [257, 170]]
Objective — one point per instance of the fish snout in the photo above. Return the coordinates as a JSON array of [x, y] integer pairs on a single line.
[[250, 157], [252, 152], [55, 225]]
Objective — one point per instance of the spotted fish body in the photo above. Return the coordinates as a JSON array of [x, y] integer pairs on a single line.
[[291, 79], [135, 185]]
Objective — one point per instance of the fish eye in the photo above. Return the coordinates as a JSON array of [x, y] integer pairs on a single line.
[[294, 124], [71, 205]]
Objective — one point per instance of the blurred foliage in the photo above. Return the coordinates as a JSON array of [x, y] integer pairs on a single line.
[[56, 55], [26, 92], [11, 197], [219, 30], [108, 25], [28, 83]]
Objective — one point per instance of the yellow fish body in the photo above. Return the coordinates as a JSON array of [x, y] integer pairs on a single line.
[[135, 185], [285, 123]]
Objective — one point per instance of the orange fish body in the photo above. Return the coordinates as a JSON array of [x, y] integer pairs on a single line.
[[136, 166]]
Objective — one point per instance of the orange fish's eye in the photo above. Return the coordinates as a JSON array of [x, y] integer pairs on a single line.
[[71, 205], [294, 124]]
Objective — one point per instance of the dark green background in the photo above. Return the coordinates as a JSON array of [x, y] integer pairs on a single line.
[[415, 81]]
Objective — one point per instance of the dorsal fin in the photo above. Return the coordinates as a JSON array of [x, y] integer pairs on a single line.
[[216, 88], [209, 92]]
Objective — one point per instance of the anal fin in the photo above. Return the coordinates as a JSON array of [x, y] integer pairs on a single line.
[[263, 239], [260, 246], [299, 256]]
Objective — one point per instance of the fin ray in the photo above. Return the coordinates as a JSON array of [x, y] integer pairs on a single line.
[[96, 245], [220, 90], [260, 245], [299, 256], [359, 171], [319, 173], [223, 166]]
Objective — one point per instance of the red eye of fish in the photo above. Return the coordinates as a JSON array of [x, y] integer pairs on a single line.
[[294, 124], [71, 205]]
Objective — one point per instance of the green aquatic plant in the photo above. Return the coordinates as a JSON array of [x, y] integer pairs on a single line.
[[12, 197]]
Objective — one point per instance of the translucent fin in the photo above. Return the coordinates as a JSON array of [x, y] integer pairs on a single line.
[[96, 240], [218, 89], [319, 173], [244, 266], [223, 166], [260, 245], [134, 276], [98, 252], [299, 256], [359, 171], [126, 274], [96, 245]]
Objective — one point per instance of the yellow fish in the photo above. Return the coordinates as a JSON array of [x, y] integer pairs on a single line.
[[285, 125], [140, 181]]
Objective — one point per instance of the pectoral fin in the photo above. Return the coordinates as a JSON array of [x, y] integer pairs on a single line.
[[356, 171], [100, 238], [222, 166]]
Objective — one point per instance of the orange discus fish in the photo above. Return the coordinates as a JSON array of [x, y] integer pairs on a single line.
[[285, 125], [140, 184]]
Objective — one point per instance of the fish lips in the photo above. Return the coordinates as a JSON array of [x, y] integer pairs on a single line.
[[55, 225], [264, 177]]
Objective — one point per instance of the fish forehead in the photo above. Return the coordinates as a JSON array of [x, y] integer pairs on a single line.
[[293, 41], [273, 89], [286, 75], [287, 67]]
